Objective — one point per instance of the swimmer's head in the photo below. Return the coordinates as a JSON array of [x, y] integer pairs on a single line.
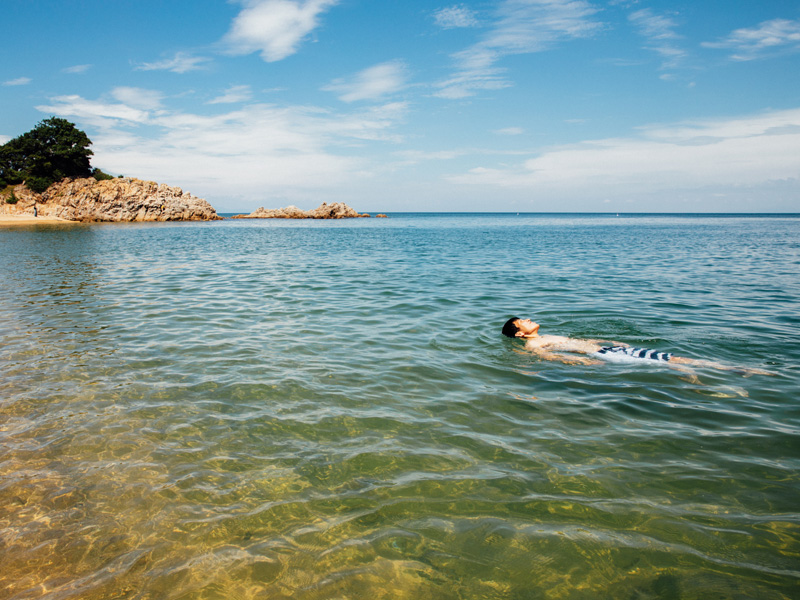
[[510, 327], [524, 328]]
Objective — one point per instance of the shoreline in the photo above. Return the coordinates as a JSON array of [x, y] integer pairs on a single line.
[[30, 220]]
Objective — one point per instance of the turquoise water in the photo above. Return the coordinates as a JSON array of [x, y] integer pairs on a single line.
[[315, 410]]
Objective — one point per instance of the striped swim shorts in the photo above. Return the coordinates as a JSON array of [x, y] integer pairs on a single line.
[[623, 353]]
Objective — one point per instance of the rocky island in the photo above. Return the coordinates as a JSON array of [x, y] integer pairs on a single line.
[[118, 200], [46, 174], [337, 210]]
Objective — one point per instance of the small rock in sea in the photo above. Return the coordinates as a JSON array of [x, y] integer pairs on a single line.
[[337, 210]]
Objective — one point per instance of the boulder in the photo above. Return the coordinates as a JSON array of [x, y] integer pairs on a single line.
[[124, 199], [337, 210]]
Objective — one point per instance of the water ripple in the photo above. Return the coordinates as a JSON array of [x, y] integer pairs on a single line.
[[318, 410]]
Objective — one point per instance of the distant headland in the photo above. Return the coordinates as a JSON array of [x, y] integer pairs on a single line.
[[45, 175], [112, 200]]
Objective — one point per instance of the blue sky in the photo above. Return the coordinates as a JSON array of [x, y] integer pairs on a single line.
[[405, 105]]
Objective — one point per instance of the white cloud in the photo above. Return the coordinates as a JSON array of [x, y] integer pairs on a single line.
[[520, 27], [274, 27], [509, 131], [417, 156], [468, 82], [234, 94], [698, 133], [18, 81], [659, 30], [748, 151], [180, 63], [620, 62], [246, 155], [138, 97], [769, 36], [371, 84], [455, 16], [653, 26], [97, 113], [412, 157], [77, 69], [4, 139]]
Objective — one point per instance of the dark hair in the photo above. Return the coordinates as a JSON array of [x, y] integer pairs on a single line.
[[510, 329]]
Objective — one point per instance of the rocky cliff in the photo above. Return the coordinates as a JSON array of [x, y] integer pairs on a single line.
[[123, 199], [337, 210]]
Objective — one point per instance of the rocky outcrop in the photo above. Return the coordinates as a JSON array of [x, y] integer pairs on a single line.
[[337, 210], [123, 199]]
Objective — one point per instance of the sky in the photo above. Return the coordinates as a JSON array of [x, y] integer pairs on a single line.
[[411, 105]]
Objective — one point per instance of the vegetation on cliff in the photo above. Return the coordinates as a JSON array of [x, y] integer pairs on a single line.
[[53, 150]]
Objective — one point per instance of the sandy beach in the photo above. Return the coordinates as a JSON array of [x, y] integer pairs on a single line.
[[29, 220]]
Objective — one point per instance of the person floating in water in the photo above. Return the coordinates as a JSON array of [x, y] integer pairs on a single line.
[[588, 352]]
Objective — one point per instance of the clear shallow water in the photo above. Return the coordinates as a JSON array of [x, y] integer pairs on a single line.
[[309, 410]]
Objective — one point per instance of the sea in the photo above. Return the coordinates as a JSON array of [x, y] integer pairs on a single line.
[[315, 410]]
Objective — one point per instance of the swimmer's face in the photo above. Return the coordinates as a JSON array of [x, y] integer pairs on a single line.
[[526, 328]]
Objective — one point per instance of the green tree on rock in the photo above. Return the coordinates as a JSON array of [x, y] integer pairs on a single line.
[[51, 151]]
